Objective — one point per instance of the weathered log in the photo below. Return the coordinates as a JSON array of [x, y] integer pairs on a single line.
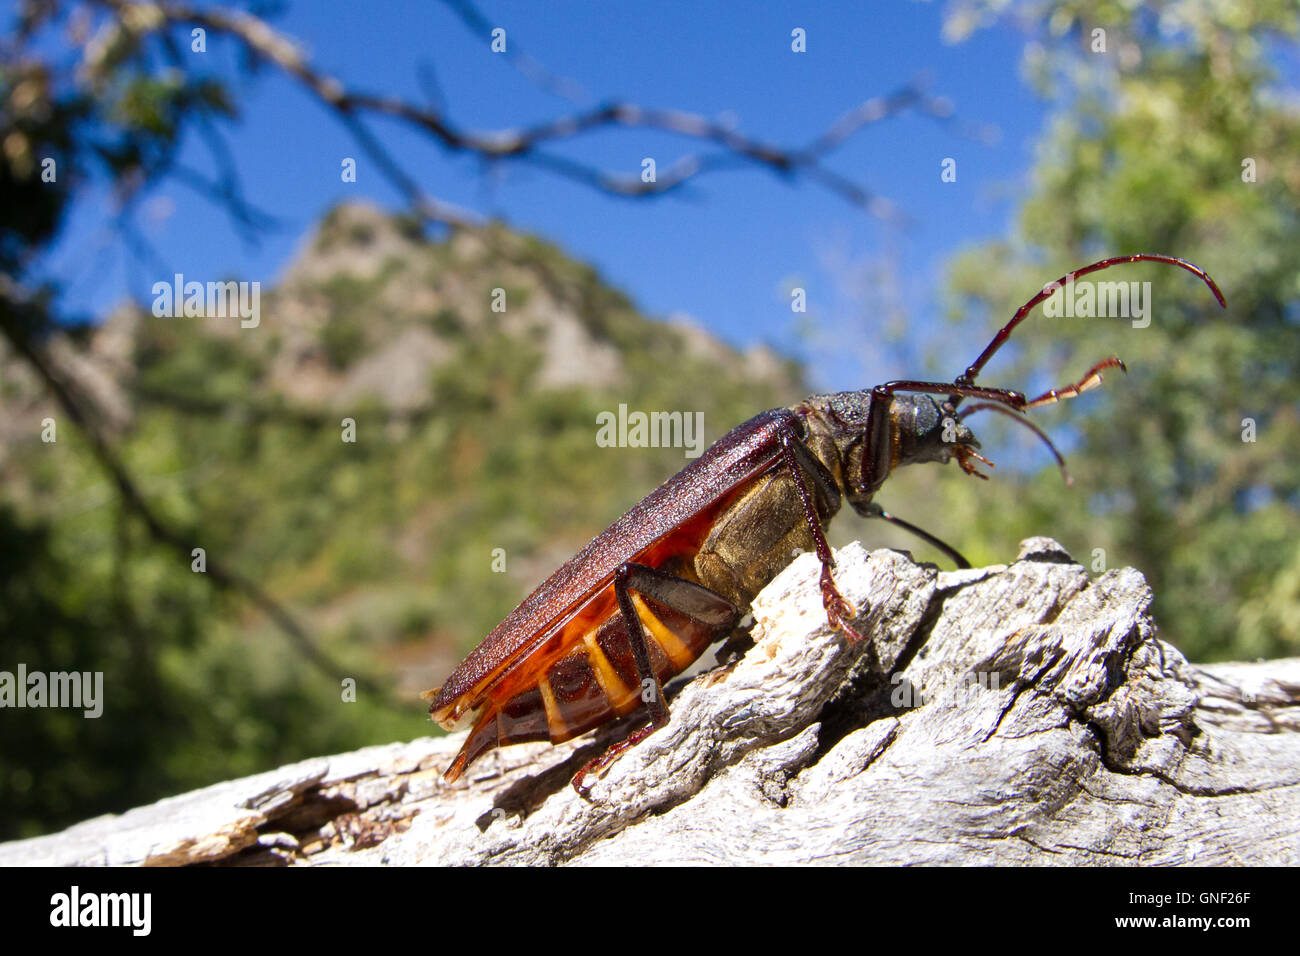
[[1011, 714]]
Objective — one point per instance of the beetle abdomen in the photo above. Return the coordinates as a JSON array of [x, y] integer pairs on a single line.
[[594, 682]]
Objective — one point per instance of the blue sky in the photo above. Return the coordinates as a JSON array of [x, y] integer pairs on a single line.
[[724, 254]]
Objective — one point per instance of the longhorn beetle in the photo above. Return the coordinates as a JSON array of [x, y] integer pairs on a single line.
[[647, 596]]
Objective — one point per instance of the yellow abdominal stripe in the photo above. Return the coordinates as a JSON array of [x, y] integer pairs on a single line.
[[669, 642], [554, 721], [622, 698]]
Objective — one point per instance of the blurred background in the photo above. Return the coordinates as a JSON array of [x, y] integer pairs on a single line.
[[912, 172]]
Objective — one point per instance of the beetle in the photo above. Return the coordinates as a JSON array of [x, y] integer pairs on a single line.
[[639, 604]]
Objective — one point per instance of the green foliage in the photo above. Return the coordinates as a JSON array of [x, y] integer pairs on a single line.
[[35, 127], [1148, 156]]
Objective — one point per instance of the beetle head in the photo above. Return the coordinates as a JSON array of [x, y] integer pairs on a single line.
[[923, 428]]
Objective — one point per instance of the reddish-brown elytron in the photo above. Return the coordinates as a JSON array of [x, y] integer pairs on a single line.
[[599, 638]]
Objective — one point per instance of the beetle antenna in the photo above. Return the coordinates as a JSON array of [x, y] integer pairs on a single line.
[[1016, 416], [968, 377]]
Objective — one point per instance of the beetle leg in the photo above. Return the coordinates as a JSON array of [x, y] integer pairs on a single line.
[[651, 691], [838, 611], [695, 601], [612, 753], [873, 510]]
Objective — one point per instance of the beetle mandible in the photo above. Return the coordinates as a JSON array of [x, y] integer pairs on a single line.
[[640, 603]]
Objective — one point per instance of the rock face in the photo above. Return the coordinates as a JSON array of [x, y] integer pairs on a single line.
[[369, 309], [1021, 714]]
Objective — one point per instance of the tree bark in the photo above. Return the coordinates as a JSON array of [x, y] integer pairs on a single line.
[[1021, 714]]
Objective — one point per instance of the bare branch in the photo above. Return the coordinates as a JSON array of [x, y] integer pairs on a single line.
[[526, 144]]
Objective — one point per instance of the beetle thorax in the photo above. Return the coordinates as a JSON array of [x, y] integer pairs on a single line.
[[837, 434]]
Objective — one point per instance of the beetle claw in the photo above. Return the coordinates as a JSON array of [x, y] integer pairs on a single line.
[[578, 788], [847, 629], [838, 611]]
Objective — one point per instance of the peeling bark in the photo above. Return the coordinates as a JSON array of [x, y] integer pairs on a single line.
[[1021, 714]]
